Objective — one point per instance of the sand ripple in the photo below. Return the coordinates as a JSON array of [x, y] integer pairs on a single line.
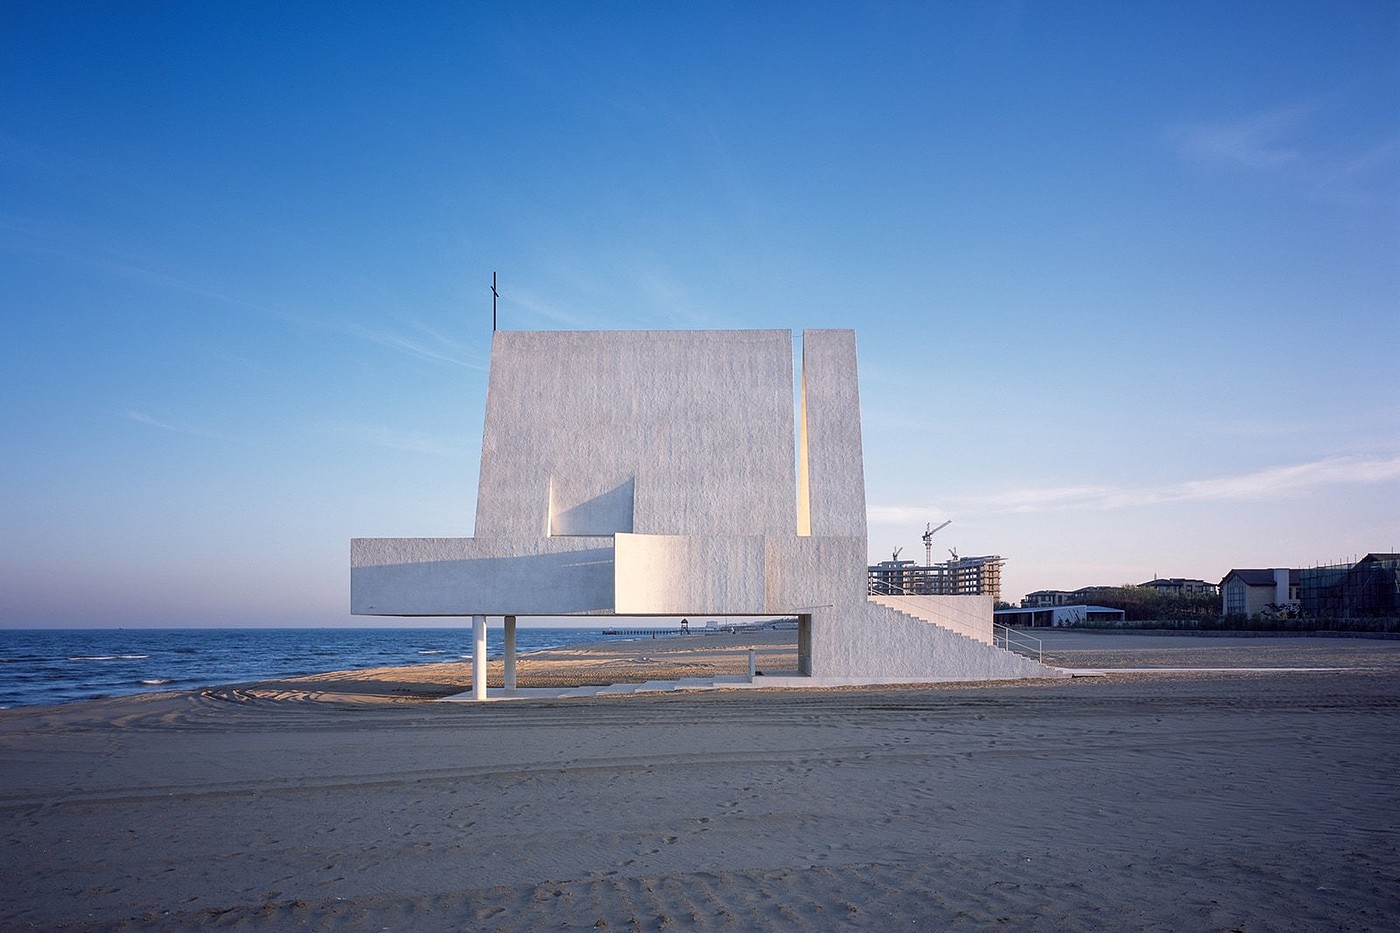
[[1143, 801]]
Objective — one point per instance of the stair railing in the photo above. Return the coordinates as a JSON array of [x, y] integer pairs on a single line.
[[1006, 637]]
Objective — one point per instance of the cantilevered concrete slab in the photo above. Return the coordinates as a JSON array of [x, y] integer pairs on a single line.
[[663, 473]]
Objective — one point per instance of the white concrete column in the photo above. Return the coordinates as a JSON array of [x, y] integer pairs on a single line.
[[478, 657], [753, 664], [804, 645], [510, 652]]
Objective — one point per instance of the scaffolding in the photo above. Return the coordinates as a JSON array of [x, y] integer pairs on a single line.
[[966, 576], [1369, 588]]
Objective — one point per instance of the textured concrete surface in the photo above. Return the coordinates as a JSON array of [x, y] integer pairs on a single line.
[[698, 422], [967, 615], [892, 644], [690, 574], [831, 491], [480, 576]]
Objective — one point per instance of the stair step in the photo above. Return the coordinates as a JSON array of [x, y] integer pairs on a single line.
[[892, 603]]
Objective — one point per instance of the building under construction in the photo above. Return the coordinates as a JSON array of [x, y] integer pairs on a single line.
[[962, 576], [1369, 588]]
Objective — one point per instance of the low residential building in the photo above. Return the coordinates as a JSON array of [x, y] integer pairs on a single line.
[[1250, 592], [1180, 586], [1041, 599], [1057, 616]]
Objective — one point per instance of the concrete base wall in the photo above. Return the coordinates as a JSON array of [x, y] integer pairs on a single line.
[[890, 646], [627, 574], [690, 574], [477, 576], [813, 574]]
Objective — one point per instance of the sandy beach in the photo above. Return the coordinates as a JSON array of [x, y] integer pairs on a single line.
[[614, 662], [1235, 800]]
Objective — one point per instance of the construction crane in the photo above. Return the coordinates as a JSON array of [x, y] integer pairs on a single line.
[[929, 532], [894, 558]]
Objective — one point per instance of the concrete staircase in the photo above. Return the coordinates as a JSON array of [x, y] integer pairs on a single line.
[[945, 613], [969, 645], [977, 628]]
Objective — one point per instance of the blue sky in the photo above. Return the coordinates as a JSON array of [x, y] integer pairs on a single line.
[[1124, 276]]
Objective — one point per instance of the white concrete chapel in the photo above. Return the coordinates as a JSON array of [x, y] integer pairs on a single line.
[[660, 473]]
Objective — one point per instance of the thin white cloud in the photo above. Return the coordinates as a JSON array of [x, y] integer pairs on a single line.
[[1267, 427], [1357, 174], [1259, 141], [69, 244], [533, 304], [1292, 143], [141, 417], [428, 345], [664, 296], [416, 442], [640, 296], [1280, 481], [74, 245], [1271, 483], [885, 419]]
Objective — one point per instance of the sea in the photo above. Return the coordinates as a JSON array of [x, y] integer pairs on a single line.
[[42, 667]]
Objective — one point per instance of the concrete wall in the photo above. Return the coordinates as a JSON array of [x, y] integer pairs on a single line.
[[649, 432], [625, 574], [690, 574], [810, 573], [890, 645], [831, 464], [475, 576]]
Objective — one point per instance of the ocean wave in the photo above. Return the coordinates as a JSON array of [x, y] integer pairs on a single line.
[[111, 657], [43, 666]]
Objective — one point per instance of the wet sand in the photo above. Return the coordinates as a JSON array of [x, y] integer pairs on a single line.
[[1242, 800]]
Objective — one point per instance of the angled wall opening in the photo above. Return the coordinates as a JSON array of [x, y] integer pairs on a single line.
[[587, 511]]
